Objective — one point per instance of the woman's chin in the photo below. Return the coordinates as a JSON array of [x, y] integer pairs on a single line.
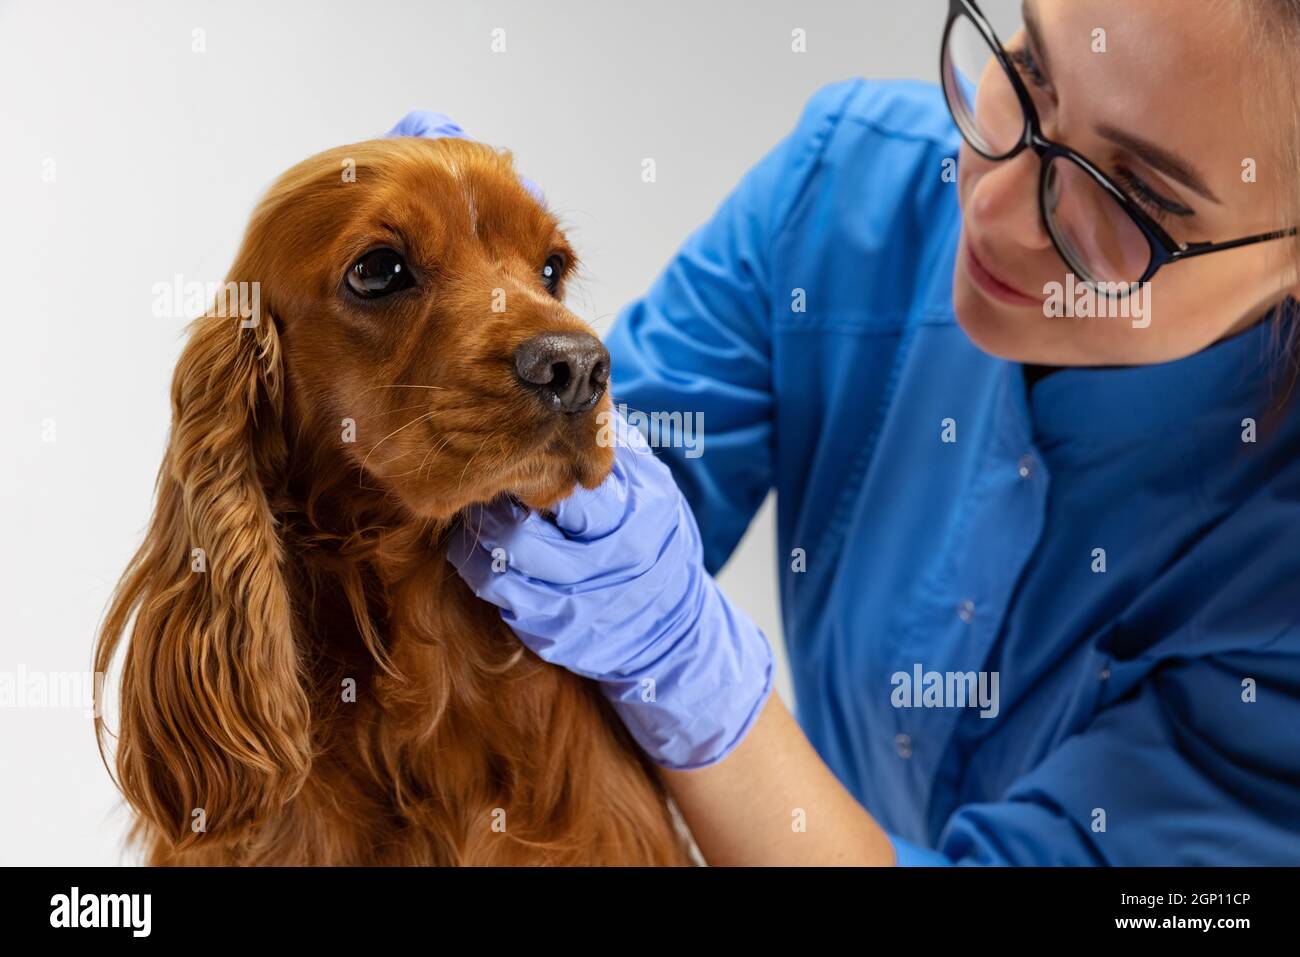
[[1008, 332]]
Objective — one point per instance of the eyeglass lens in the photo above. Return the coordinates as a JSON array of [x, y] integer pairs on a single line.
[[1097, 238]]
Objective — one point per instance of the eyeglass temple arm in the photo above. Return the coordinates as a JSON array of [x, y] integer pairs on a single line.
[[1192, 250]]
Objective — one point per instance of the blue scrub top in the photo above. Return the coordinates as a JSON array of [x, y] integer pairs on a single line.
[[1148, 713]]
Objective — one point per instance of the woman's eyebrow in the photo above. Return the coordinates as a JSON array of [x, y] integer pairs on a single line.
[[1030, 20], [1154, 156]]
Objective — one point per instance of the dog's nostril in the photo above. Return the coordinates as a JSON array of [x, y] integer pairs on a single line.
[[560, 375], [568, 370]]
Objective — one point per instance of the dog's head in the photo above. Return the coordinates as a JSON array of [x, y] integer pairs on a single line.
[[417, 291], [407, 335]]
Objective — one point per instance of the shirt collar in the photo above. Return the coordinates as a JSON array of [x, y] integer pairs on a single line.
[[1120, 402]]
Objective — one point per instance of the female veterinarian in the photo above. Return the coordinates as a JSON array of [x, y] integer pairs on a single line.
[[1101, 513]]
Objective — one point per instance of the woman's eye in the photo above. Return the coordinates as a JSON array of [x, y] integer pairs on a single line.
[[551, 273], [379, 273], [1158, 206]]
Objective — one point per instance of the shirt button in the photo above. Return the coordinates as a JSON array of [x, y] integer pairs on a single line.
[[903, 745], [1026, 467], [966, 611], [1104, 674]]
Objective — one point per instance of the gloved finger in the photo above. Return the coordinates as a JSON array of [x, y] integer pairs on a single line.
[[533, 189], [589, 514], [536, 549], [518, 539], [472, 560], [592, 513], [433, 125], [522, 600], [496, 524], [514, 559], [428, 124]]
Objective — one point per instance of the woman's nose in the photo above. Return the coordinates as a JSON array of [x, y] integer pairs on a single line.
[[568, 370], [1004, 201]]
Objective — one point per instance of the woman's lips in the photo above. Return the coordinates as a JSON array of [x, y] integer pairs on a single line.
[[992, 286]]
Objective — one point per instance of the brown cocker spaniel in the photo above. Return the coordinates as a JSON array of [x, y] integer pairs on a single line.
[[307, 680]]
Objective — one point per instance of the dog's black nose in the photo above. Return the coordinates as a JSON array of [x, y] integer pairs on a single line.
[[568, 369]]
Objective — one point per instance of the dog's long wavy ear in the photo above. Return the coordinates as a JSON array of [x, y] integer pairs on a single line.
[[214, 722]]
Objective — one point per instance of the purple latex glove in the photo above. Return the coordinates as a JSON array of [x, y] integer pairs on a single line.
[[434, 126], [615, 589]]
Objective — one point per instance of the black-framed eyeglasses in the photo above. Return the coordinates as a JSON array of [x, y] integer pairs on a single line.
[[1102, 234]]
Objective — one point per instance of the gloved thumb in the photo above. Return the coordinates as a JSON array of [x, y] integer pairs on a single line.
[[593, 513]]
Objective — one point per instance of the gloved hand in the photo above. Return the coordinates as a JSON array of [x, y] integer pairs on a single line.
[[434, 126], [615, 589], [428, 124]]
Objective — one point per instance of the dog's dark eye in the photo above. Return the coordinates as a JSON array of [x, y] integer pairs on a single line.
[[378, 273], [551, 273]]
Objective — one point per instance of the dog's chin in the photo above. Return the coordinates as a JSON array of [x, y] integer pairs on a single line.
[[549, 463], [539, 481], [556, 477], [571, 457]]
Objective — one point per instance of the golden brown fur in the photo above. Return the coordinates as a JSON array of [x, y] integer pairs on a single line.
[[324, 559]]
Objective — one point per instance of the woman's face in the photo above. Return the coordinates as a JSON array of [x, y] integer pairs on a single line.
[[1184, 83]]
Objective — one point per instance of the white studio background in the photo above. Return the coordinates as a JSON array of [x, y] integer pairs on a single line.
[[127, 157]]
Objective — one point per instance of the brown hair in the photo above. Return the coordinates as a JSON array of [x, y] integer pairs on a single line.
[[1274, 31]]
